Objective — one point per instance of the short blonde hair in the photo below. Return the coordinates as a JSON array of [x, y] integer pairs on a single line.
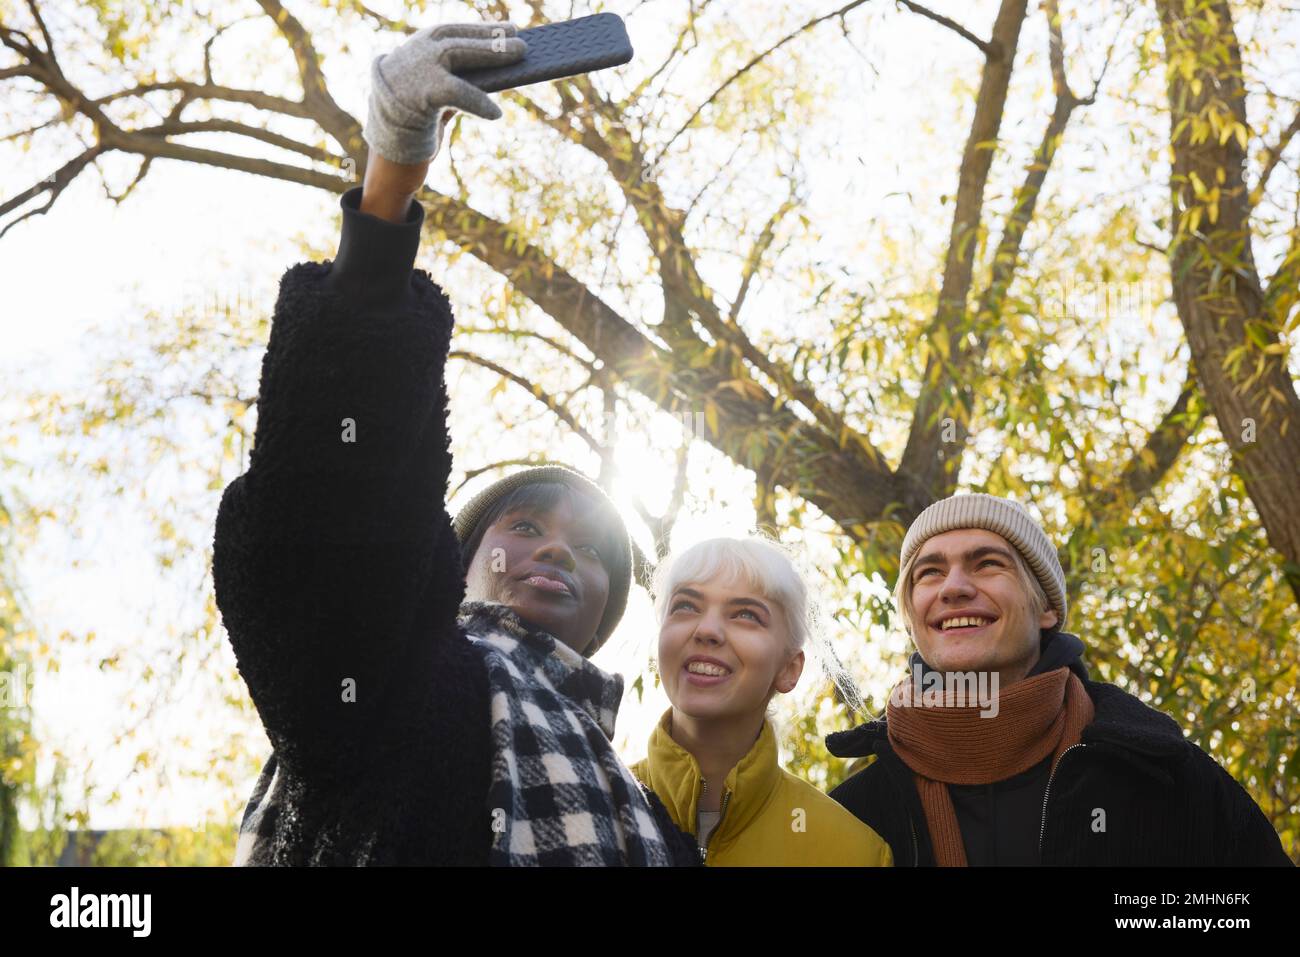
[[759, 562], [1037, 601], [770, 569]]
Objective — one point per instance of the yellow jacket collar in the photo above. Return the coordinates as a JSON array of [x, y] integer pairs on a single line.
[[674, 775]]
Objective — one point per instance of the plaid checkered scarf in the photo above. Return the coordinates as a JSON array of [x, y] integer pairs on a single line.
[[559, 795]]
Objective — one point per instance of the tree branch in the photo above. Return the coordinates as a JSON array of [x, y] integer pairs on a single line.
[[1273, 156], [140, 174], [529, 334], [153, 144], [54, 184], [17, 134], [131, 142], [989, 49], [40, 23], [528, 462], [661, 526], [315, 94], [925, 471], [842, 489], [759, 249], [1282, 291], [1145, 469], [1148, 467], [1006, 258], [686, 295], [210, 91], [176, 128], [536, 391], [400, 26], [694, 13], [742, 410], [728, 165], [753, 62], [207, 46]]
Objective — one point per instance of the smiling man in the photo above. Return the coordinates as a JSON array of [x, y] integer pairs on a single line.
[[1064, 770]]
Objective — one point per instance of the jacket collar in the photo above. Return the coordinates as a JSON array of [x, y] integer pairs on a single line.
[[532, 650], [674, 775], [1127, 727]]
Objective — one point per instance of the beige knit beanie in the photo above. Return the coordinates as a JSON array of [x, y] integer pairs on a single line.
[[1007, 518]]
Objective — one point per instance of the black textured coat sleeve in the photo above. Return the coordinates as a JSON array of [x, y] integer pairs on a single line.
[[335, 566]]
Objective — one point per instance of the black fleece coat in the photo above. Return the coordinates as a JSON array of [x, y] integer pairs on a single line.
[[336, 561], [1134, 791]]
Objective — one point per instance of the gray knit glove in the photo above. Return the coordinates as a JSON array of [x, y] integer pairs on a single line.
[[413, 91]]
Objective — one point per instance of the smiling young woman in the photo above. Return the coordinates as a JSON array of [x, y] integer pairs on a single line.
[[735, 616]]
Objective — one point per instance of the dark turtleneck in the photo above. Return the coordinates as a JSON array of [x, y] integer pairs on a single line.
[[373, 266]]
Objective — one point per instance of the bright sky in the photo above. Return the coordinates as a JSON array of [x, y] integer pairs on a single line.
[[74, 279]]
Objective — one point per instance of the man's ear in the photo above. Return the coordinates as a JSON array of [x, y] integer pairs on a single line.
[[788, 676], [1048, 619]]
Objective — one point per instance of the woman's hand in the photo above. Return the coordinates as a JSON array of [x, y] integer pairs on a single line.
[[412, 88], [413, 93]]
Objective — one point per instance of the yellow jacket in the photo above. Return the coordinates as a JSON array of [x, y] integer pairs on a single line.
[[769, 816]]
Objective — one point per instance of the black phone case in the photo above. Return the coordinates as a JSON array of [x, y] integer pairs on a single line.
[[560, 49]]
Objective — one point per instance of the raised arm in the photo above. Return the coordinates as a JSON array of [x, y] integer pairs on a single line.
[[336, 569], [325, 546], [390, 188]]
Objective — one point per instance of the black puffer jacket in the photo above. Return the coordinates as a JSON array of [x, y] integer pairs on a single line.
[[336, 561], [1134, 791]]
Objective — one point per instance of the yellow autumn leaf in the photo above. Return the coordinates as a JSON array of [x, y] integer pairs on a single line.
[[711, 417]]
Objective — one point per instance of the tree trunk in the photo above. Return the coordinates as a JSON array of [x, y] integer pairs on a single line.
[[1239, 357]]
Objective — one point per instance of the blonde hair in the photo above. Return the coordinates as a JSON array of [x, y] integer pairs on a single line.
[[1037, 601], [771, 570]]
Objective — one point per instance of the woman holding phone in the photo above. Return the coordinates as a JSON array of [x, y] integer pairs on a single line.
[[425, 682], [734, 618]]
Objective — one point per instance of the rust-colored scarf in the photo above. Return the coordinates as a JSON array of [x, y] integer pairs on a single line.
[[1036, 717]]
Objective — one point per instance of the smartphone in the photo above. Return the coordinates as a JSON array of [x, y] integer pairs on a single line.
[[558, 50]]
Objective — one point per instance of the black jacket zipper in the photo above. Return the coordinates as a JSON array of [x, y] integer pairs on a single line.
[[1042, 828]]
